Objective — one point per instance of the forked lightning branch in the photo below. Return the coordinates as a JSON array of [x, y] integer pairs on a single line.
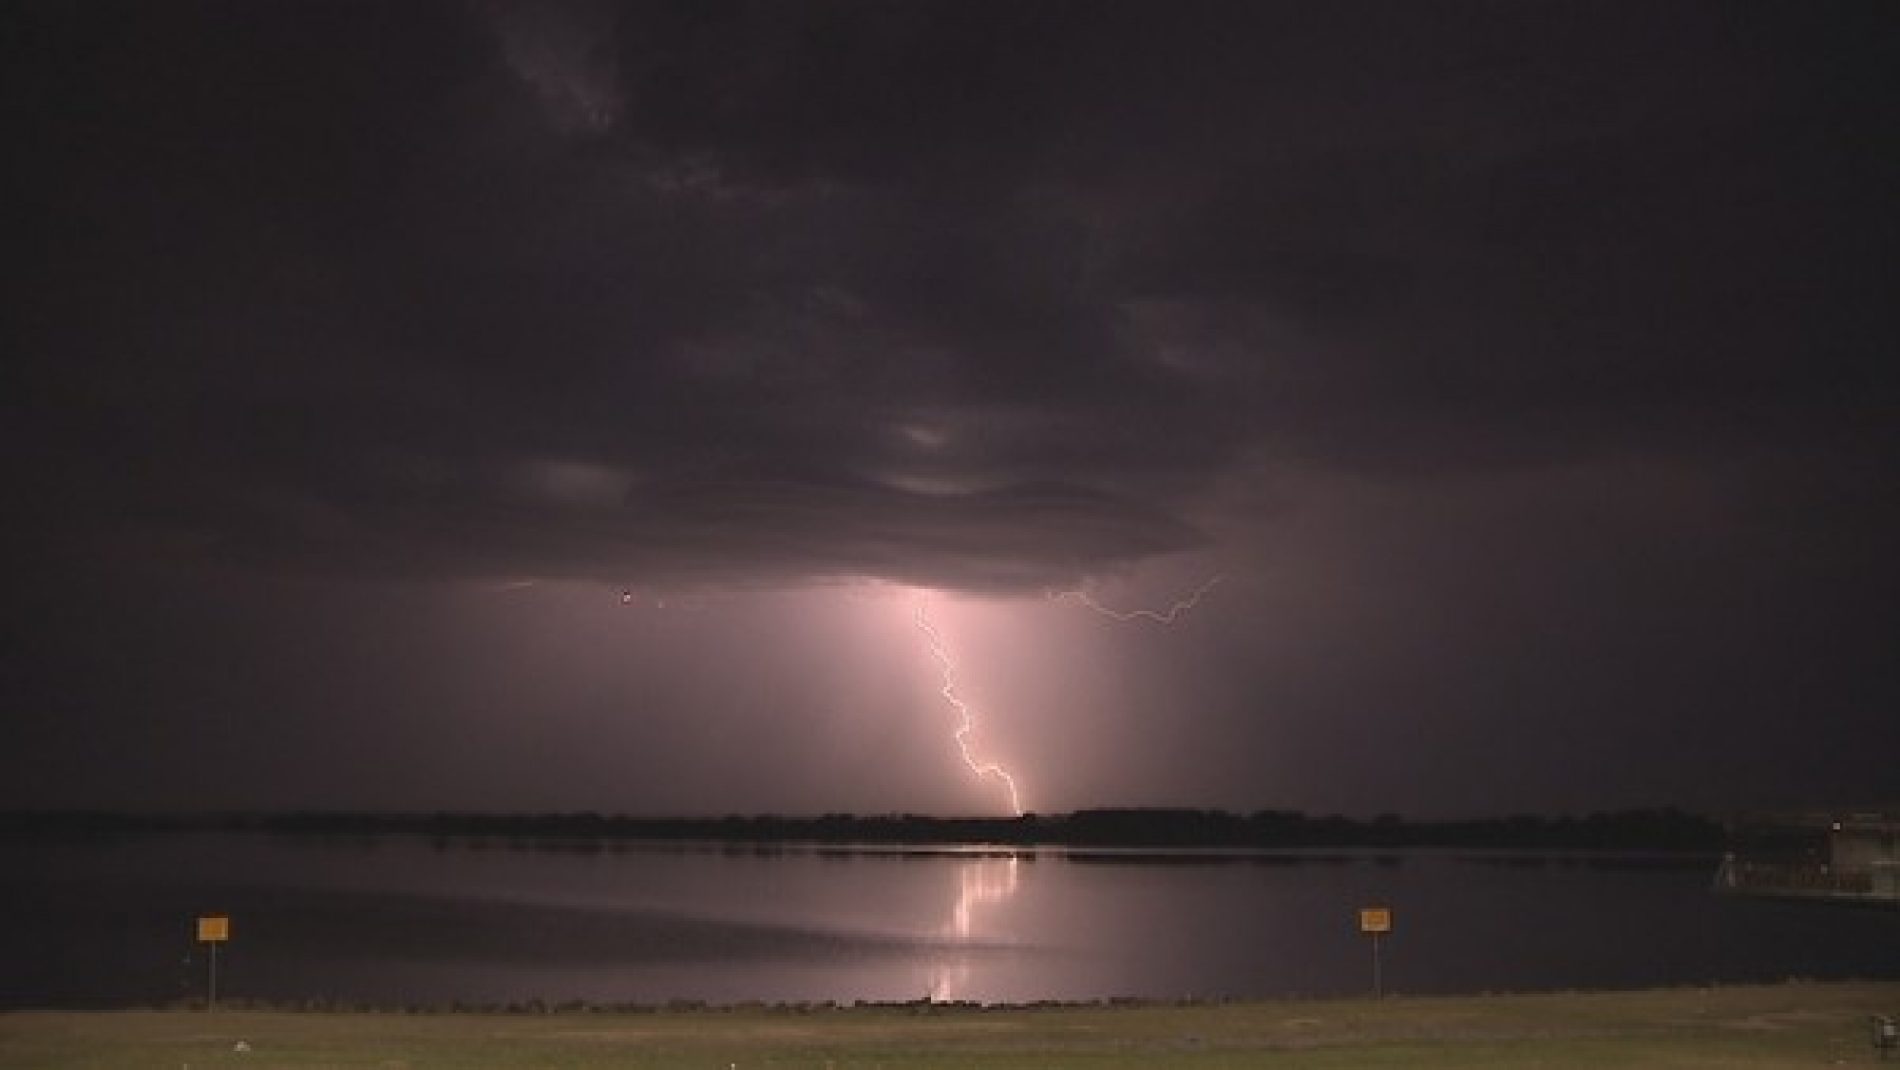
[[988, 768]]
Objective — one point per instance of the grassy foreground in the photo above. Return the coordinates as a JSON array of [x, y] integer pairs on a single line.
[[1791, 1025]]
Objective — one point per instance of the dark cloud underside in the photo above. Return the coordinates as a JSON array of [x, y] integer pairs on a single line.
[[994, 298]]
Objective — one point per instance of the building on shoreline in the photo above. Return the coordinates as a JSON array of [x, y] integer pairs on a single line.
[[1847, 857]]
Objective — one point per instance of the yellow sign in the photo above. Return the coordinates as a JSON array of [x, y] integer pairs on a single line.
[[1375, 920], [214, 928]]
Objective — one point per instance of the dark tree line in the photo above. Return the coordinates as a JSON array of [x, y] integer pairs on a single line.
[[1665, 829]]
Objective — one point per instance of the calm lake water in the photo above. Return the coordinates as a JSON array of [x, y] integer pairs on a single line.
[[401, 920]]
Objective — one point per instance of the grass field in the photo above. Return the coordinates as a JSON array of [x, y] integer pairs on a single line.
[[1791, 1025]]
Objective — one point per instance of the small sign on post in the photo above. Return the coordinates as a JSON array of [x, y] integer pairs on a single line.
[[213, 929], [1376, 922]]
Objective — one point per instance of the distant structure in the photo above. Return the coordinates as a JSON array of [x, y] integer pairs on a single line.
[[1832, 857]]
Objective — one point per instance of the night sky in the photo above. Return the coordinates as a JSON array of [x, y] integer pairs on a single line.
[[522, 406]]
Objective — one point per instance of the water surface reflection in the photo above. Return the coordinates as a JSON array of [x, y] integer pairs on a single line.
[[401, 921], [982, 884]]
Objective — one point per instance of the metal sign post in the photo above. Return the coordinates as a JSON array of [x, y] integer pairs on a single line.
[[1376, 922], [213, 929]]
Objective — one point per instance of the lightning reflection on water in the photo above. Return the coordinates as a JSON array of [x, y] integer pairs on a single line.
[[981, 882]]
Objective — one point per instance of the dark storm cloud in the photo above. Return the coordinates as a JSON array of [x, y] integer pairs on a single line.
[[1526, 368], [331, 283]]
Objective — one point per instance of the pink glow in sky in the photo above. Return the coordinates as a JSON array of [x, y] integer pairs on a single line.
[[1525, 370], [870, 696]]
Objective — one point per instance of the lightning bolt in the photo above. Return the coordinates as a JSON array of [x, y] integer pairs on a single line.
[[1162, 617], [966, 717]]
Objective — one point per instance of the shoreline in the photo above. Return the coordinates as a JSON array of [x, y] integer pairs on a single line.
[[1666, 830], [536, 1007], [1792, 1023]]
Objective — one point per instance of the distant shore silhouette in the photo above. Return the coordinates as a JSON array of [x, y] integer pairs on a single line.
[[1663, 829]]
